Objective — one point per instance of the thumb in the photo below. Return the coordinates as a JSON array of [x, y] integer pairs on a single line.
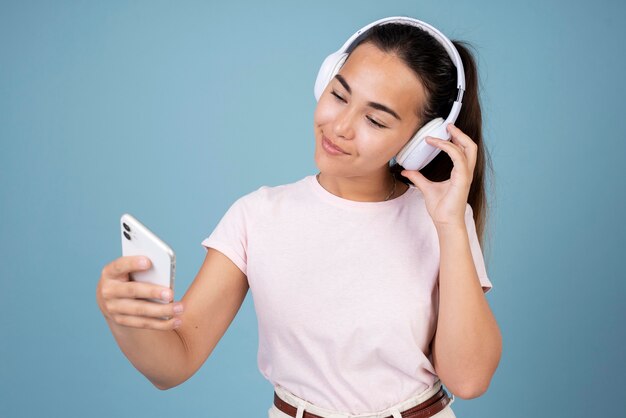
[[417, 178]]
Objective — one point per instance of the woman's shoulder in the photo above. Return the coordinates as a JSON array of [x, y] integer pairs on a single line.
[[274, 193]]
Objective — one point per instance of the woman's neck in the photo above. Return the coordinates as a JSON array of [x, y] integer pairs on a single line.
[[363, 189]]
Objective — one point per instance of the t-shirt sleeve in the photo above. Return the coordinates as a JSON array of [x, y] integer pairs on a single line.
[[230, 236], [477, 253]]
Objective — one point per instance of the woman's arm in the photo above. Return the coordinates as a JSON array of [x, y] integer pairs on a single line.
[[467, 346], [168, 357]]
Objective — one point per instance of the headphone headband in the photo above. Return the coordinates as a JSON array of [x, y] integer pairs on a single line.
[[443, 40]]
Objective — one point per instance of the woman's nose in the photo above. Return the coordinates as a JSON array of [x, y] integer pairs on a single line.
[[343, 124]]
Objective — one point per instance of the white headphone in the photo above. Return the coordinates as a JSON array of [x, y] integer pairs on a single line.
[[416, 153]]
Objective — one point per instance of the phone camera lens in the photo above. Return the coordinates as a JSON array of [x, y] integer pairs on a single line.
[[126, 227], [126, 235]]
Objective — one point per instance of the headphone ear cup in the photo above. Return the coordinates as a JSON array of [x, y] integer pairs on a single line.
[[417, 153], [427, 129], [330, 67]]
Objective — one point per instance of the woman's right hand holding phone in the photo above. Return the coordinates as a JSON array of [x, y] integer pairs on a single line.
[[119, 297]]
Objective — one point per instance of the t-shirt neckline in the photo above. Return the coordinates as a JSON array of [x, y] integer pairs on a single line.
[[329, 197]]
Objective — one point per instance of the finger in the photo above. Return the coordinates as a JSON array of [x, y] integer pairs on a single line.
[[149, 323], [119, 268], [460, 137], [141, 290], [144, 308], [417, 178], [470, 148], [454, 151]]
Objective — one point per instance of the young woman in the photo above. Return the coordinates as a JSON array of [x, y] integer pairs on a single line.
[[368, 279]]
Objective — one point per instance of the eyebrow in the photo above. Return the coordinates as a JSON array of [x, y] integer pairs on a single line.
[[375, 105]]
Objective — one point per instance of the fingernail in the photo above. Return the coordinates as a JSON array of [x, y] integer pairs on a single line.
[[178, 308], [143, 263], [165, 295], [177, 323]]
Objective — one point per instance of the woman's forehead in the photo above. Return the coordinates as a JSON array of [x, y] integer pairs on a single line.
[[377, 76]]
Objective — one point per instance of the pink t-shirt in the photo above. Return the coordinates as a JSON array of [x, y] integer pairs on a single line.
[[345, 292]]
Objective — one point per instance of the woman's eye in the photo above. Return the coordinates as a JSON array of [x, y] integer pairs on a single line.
[[337, 96], [378, 125], [372, 121]]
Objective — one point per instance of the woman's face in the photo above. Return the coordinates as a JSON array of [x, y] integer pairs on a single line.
[[369, 110]]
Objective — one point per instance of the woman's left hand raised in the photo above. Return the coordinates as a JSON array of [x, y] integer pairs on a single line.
[[446, 200]]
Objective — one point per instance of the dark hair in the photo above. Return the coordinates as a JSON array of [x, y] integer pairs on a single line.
[[435, 69]]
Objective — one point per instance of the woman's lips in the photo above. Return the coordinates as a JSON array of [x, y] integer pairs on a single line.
[[332, 148]]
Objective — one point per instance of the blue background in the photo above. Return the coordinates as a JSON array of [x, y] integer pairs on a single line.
[[172, 110]]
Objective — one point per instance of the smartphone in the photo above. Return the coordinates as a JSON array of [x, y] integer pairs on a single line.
[[137, 239]]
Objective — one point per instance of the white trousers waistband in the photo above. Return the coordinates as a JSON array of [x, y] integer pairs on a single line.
[[393, 411]]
